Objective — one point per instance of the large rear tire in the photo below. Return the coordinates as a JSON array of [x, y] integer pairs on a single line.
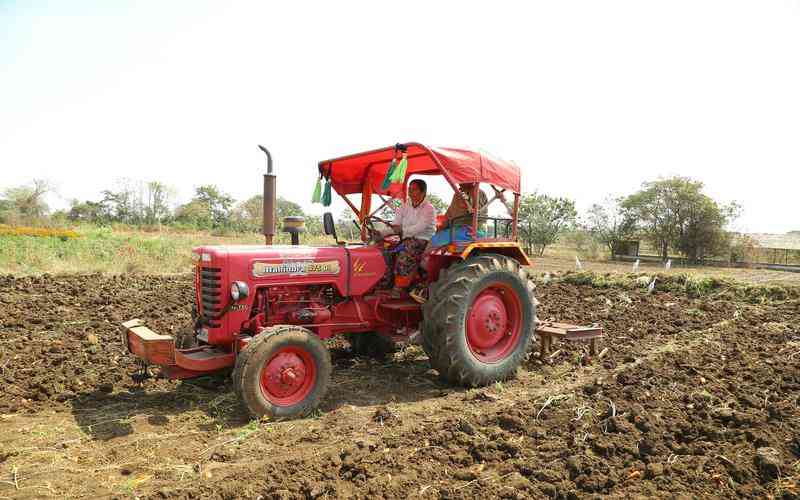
[[479, 320], [284, 372]]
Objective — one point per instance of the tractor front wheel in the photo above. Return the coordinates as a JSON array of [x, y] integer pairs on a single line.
[[479, 321], [282, 373]]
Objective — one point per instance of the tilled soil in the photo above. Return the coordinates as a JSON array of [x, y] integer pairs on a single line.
[[694, 398]]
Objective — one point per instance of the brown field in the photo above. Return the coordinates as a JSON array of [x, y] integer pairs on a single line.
[[696, 397]]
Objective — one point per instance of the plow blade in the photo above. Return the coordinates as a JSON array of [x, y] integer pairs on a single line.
[[546, 331]]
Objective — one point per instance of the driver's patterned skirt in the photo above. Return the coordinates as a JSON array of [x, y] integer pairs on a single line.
[[407, 264]]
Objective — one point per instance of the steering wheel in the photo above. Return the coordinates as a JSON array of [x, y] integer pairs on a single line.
[[375, 235]]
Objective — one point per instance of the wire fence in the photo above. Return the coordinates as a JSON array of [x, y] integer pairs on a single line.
[[786, 259]]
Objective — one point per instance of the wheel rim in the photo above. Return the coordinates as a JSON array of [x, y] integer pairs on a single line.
[[494, 323], [288, 377]]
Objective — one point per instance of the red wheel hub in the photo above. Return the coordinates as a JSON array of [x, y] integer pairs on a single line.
[[288, 377], [494, 323]]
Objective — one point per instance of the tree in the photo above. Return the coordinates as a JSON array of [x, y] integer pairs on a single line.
[[25, 203], [543, 218], [743, 247], [157, 197], [609, 223], [702, 231], [216, 203], [286, 208], [124, 203], [131, 202], [314, 225], [88, 211], [675, 213], [196, 213], [249, 213]]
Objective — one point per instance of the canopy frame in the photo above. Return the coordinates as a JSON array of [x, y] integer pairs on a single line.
[[326, 169]]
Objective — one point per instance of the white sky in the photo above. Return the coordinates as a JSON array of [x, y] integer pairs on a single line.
[[589, 98]]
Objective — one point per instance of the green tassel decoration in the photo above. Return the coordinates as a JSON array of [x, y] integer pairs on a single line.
[[326, 195], [387, 180], [399, 174], [317, 190]]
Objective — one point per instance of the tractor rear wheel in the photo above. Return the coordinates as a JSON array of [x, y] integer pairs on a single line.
[[479, 320], [282, 373]]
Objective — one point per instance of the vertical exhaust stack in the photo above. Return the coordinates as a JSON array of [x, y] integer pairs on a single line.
[[268, 220]]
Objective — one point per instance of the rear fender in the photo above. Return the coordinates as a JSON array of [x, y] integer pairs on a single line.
[[509, 249]]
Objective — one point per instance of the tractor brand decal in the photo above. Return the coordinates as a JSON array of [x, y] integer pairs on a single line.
[[358, 268], [295, 268], [238, 307]]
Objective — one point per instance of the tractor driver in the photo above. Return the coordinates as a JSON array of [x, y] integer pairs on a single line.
[[415, 222]]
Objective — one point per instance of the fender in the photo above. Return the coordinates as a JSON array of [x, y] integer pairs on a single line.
[[509, 249]]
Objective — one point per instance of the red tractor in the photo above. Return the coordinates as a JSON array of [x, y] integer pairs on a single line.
[[265, 310]]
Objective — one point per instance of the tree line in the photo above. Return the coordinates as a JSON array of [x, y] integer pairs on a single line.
[[672, 214], [139, 203]]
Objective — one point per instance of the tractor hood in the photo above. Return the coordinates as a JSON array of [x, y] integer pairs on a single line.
[[293, 264], [257, 262]]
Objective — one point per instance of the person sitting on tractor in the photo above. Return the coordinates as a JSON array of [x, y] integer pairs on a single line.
[[458, 209], [415, 222]]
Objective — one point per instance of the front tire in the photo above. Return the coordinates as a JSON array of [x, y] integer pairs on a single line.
[[479, 321], [284, 372]]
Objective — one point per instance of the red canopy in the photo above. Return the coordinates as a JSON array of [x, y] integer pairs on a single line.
[[349, 173]]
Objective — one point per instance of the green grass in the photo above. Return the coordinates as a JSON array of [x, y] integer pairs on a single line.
[[108, 250]]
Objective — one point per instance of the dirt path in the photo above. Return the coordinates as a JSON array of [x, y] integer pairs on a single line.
[[691, 392]]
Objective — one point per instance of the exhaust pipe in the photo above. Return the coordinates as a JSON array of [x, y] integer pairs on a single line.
[[268, 219]]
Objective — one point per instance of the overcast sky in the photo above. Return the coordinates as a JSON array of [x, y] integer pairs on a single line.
[[590, 98]]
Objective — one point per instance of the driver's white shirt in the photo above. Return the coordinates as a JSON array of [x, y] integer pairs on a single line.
[[417, 222]]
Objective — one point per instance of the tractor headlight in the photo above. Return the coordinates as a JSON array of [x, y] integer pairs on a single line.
[[239, 290]]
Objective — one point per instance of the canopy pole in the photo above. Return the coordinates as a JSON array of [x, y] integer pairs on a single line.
[[476, 200], [356, 211]]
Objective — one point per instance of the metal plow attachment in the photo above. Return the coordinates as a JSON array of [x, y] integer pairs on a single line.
[[546, 331]]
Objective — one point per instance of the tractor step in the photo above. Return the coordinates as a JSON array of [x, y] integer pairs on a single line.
[[548, 330], [401, 305]]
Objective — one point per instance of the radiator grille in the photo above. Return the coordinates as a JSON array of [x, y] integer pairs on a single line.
[[211, 295]]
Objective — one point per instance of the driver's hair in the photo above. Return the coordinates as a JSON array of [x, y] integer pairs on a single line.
[[421, 185]]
